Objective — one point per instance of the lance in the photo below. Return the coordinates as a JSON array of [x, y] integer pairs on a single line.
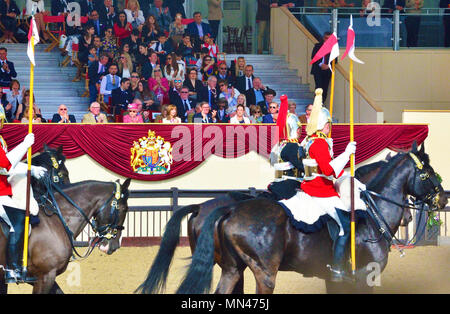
[[352, 179]]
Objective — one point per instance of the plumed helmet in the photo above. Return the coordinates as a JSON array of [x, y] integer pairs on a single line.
[[292, 125], [319, 115], [2, 115]]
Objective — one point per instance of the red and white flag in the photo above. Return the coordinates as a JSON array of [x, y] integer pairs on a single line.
[[32, 32], [350, 50], [331, 46]]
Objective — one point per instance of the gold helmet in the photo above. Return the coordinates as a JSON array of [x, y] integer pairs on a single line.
[[319, 115], [2, 116]]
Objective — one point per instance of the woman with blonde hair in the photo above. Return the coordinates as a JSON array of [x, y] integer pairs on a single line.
[[159, 85], [256, 114], [171, 116], [135, 16], [25, 117], [125, 65], [239, 67]]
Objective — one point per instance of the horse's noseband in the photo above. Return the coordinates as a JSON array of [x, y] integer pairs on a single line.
[[431, 194], [110, 230], [55, 166]]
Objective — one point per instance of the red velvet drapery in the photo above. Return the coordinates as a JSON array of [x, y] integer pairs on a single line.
[[110, 145]]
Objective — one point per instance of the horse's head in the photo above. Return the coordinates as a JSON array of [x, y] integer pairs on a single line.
[[54, 161], [111, 217], [425, 184]]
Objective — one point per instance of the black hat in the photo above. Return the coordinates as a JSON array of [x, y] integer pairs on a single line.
[[269, 91]]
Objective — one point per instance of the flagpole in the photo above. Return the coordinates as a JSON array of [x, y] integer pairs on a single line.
[[28, 195], [352, 180], [332, 91]]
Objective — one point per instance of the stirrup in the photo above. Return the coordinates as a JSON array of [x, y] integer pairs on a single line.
[[17, 276], [340, 275]]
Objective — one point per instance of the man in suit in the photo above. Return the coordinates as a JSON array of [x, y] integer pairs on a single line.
[[222, 116], [255, 94], [94, 20], [121, 96], [245, 82], [147, 68], [63, 116], [107, 12], [181, 100], [210, 94], [86, 7], [162, 47], [320, 69], [7, 71], [272, 116], [161, 13], [96, 71], [223, 73], [269, 95], [94, 115], [205, 116], [198, 29]]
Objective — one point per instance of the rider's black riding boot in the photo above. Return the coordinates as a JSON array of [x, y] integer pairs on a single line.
[[14, 273], [337, 268]]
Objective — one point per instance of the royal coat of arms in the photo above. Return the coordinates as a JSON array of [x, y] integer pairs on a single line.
[[151, 155]]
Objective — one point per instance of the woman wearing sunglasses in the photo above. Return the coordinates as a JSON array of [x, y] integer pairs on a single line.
[[132, 115]]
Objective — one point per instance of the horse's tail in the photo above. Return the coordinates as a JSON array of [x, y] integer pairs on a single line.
[[199, 275], [157, 276]]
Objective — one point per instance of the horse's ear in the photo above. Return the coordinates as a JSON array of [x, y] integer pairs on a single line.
[[126, 184], [388, 156], [45, 147], [422, 148], [59, 150], [414, 147]]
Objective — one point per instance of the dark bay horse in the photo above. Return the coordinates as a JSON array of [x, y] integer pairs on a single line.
[[157, 275], [50, 247], [257, 234]]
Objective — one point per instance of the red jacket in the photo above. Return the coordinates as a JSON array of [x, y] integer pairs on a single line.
[[5, 187], [320, 186]]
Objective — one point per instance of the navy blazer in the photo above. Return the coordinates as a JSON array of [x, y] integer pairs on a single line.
[[56, 118], [198, 118], [176, 100], [193, 30], [268, 119], [204, 94], [5, 78]]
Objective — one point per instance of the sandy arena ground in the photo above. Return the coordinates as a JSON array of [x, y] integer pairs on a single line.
[[421, 270]]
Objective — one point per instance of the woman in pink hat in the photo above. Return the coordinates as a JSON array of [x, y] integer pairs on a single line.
[[133, 116]]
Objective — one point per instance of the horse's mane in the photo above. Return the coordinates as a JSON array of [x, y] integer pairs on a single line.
[[362, 171], [378, 182]]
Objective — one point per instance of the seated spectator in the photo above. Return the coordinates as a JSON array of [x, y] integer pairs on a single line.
[[94, 115], [222, 116], [122, 28], [292, 107], [198, 109], [86, 6], [162, 47], [147, 97], [162, 14], [255, 114], [159, 85], [134, 81], [245, 82], [94, 20], [63, 116], [25, 117], [186, 50], [25, 104], [9, 11], [109, 82], [125, 65], [96, 71], [209, 44], [241, 100], [160, 117], [86, 41], [269, 95], [146, 116], [132, 115], [180, 98], [151, 29], [177, 29], [198, 29], [223, 73], [198, 65], [228, 92], [125, 49], [240, 116], [109, 44], [142, 55], [134, 14], [195, 85], [6, 106], [133, 43], [121, 97], [171, 115], [239, 68], [14, 99], [7, 71], [208, 67], [304, 118], [272, 116], [149, 66], [173, 69], [255, 94], [106, 11], [210, 94], [205, 116], [92, 56]]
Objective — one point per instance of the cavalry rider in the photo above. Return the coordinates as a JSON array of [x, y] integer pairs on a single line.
[[10, 166], [320, 170], [287, 157]]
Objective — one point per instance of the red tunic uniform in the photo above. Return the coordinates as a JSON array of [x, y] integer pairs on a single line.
[[5, 187], [320, 186]]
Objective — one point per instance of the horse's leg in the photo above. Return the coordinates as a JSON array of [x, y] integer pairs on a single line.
[[228, 281], [265, 283], [56, 289], [45, 283], [239, 286]]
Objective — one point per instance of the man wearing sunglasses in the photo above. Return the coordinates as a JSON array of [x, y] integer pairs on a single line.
[[63, 116], [272, 116], [224, 74], [181, 100]]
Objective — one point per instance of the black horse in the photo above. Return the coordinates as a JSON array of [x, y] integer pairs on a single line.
[[157, 275], [258, 235]]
